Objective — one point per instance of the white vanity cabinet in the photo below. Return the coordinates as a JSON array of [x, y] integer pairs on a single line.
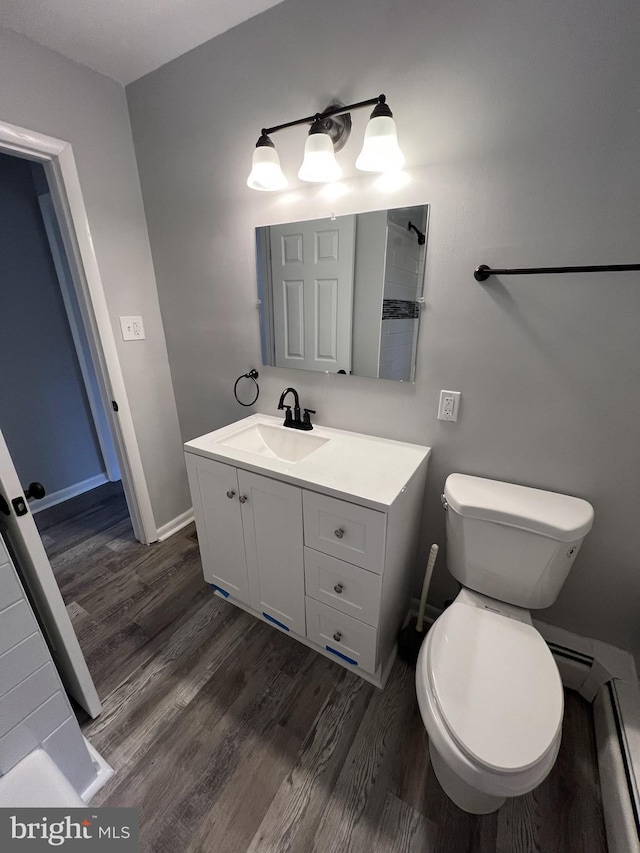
[[214, 491], [323, 546], [272, 524], [250, 537], [359, 565]]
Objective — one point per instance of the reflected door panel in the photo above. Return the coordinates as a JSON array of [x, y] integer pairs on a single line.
[[312, 268], [343, 294]]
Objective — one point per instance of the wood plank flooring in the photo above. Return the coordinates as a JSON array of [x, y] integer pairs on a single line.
[[228, 736]]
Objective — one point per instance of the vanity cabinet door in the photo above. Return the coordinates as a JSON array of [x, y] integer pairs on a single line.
[[215, 493], [272, 522]]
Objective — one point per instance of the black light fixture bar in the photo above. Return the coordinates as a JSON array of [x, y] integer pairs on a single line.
[[336, 111], [483, 272]]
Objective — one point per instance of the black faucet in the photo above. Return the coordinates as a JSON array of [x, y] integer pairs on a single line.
[[295, 422]]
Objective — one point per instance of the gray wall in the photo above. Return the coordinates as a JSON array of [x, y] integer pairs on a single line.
[[44, 92], [521, 128], [44, 411]]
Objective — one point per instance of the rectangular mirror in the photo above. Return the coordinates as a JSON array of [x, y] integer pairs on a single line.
[[342, 295]]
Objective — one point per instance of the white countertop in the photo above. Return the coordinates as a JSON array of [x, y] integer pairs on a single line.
[[350, 465]]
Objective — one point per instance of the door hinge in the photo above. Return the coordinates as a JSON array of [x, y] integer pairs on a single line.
[[114, 405]]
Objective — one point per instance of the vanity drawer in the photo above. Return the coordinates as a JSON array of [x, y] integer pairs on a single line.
[[348, 588], [349, 640], [345, 530]]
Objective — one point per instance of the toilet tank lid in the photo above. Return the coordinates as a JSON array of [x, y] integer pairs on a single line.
[[558, 516]]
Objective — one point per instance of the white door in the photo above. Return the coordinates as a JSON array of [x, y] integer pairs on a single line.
[[272, 523], [23, 540], [312, 274], [216, 506]]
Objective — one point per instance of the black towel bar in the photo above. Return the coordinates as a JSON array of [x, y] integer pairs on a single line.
[[483, 272]]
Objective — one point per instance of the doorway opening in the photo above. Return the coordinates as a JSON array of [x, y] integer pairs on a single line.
[[56, 157], [79, 401], [51, 412]]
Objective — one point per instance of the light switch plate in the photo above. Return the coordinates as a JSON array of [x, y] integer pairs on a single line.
[[132, 328]]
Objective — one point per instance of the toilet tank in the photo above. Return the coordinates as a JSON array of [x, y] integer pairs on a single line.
[[512, 543]]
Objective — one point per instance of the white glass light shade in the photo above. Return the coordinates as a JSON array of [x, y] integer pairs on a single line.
[[319, 164], [266, 173], [380, 151]]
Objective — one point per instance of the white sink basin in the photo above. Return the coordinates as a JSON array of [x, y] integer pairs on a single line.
[[289, 445], [373, 470]]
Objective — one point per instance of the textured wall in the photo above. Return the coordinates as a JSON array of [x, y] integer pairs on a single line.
[[520, 126]]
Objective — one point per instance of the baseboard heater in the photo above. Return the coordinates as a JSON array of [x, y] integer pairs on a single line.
[[618, 785], [570, 654]]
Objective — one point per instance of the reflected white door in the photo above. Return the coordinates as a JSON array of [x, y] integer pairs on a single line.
[[312, 273], [23, 541]]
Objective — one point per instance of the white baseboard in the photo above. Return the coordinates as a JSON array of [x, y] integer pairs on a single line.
[[606, 676], [171, 527], [69, 492]]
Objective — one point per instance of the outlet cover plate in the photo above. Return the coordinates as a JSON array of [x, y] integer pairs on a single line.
[[449, 405]]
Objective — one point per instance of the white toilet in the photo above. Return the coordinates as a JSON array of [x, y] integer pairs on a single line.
[[488, 687]]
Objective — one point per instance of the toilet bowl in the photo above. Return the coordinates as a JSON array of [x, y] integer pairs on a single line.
[[488, 688], [491, 699]]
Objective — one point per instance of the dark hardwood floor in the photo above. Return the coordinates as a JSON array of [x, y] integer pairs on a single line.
[[228, 735]]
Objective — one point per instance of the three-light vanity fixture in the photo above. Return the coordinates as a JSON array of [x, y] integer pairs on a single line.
[[328, 133]]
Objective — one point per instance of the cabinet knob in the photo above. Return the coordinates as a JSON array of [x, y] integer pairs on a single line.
[[337, 636], [339, 533], [231, 494], [338, 588], [243, 499]]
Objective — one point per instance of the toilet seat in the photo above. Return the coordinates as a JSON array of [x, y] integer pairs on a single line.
[[495, 686]]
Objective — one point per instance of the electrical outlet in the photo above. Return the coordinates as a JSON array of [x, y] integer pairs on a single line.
[[449, 405], [132, 328]]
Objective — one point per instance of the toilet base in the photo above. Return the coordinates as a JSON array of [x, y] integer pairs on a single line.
[[464, 796]]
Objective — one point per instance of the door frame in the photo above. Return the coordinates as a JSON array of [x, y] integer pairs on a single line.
[[56, 156]]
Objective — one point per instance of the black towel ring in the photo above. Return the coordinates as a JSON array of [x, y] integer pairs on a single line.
[[252, 374]]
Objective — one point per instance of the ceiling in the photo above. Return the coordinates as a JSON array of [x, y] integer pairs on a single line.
[[125, 39]]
